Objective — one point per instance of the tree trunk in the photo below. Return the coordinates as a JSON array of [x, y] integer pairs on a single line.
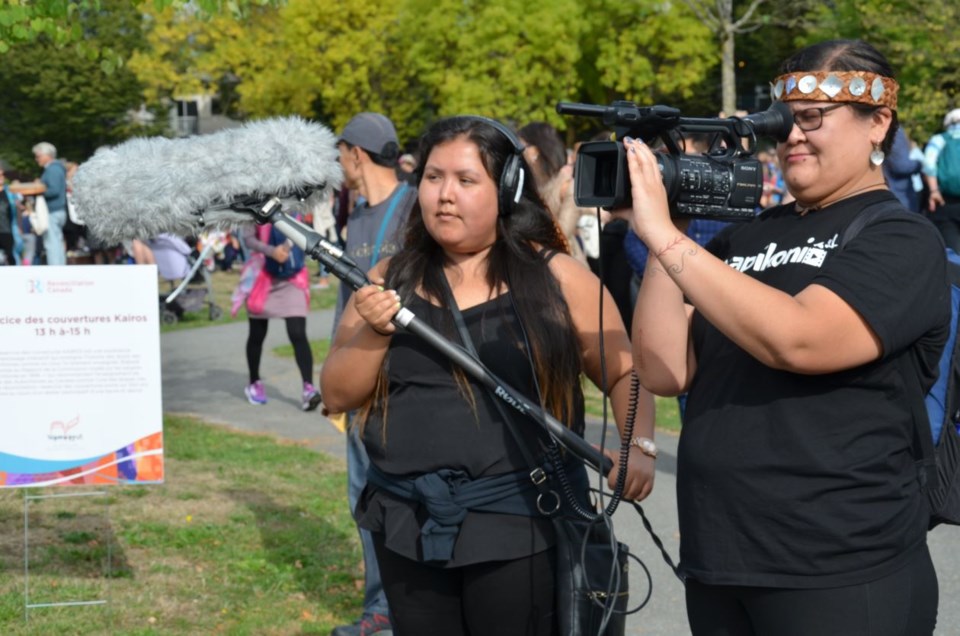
[[728, 72]]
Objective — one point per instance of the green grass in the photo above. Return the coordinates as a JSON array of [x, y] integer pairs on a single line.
[[320, 349], [247, 536], [223, 284], [667, 411]]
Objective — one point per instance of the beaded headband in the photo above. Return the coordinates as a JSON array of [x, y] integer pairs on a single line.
[[859, 87]]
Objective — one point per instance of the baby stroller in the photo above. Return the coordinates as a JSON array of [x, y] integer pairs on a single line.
[[190, 281]]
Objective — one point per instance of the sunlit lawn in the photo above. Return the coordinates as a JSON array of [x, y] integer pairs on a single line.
[[247, 536]]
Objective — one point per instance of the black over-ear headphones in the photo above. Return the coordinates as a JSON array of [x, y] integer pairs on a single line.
[[512, 178]]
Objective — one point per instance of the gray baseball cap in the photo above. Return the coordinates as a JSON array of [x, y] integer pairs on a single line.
[[372, 132]]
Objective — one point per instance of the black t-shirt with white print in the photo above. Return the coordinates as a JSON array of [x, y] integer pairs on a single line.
[[789, 480]]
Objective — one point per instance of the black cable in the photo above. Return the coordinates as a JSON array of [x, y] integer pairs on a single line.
[[657, 542], [605, 516]]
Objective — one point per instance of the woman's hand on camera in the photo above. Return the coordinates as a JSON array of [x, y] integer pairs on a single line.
[[377, 306], [651, 212]]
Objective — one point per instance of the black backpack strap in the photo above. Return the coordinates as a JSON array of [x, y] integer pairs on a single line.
[[869, 214], [537, 474]]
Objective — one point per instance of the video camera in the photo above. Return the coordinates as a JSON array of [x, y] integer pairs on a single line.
[[724, 183]]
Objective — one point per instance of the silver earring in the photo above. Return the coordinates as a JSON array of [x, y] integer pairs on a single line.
[[877, 156]]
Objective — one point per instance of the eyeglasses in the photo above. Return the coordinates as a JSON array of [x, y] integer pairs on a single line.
[[812, 118]]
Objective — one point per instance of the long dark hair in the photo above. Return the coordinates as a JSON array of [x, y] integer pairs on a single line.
[[846, 55], [515, 261]]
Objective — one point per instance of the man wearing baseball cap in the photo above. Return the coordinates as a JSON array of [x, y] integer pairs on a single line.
[[369, 149]]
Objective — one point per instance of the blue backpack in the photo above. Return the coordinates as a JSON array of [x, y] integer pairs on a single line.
[[938, 419], [948, 166], [941, 450], [292, 266]]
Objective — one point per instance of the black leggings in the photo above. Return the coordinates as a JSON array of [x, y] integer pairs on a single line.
[[296, 331], [508, 598], [6, 246], [900, 604]]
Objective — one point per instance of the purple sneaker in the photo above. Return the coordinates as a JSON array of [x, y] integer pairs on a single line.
[[255, 393], [311, 397], [375, 625]]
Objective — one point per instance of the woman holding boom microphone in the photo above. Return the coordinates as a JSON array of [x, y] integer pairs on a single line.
[[481, 249], [799, 500]]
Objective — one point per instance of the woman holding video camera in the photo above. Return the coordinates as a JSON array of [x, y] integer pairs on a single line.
[[799, 501]]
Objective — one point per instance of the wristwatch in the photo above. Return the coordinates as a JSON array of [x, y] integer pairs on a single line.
[[646, 446]]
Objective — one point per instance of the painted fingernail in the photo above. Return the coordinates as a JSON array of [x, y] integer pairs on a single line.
[[379, 287]]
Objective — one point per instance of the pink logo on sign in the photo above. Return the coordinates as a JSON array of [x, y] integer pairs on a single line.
[[64, 427]]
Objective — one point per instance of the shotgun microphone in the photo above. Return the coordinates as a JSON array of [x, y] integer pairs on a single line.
[[148, 186]]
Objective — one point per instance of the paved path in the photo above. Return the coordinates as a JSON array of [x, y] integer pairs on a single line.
[[204, 372]]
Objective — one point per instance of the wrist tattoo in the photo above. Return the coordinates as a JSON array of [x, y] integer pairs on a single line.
[[670, 245], [650, 271], [677, 268]]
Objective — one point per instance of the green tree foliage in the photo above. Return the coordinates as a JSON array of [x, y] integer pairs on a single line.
[[332, 59], [180, 59], [648, 52], [509, 59], [323, 59], [53, 94], [58, 21], [416, 60], [918, 40], [24, 21]]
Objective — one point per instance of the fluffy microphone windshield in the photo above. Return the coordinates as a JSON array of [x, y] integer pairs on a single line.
[[147, 186]]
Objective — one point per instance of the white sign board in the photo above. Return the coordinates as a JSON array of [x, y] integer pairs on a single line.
[[80, 396]]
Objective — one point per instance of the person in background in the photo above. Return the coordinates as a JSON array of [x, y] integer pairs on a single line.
[[532, 314], [773, 187], [899, 168], [11, 243], [324, 223], [919, 184], [288, 297], [74, 230], [406, 168], [54, 177], [28, 255], [942, 155], [141, 253], [547, 156], [369, 148], [798, 490]]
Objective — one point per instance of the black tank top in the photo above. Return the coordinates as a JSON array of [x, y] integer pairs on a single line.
[[430, 425]]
